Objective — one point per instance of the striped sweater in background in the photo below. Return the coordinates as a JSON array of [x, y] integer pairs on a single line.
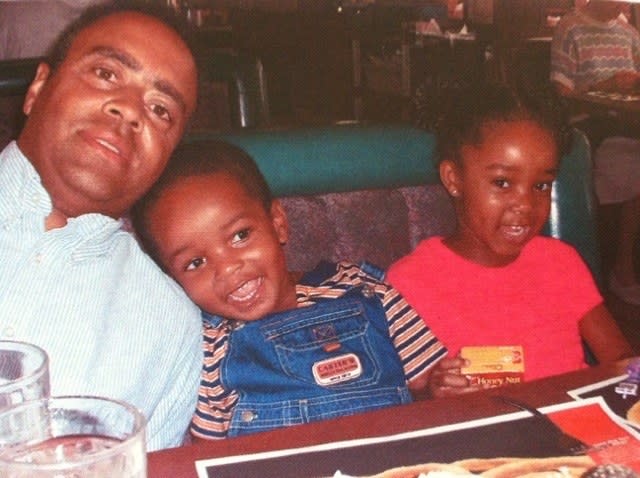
[[586, 51]]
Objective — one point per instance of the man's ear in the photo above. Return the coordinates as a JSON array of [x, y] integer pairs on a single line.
[[450, 177], [42, 74], [279, 221]]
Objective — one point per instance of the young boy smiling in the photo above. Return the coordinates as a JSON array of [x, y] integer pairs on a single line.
[[281, 347]]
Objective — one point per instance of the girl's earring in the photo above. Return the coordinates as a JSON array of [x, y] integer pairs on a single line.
[[454, 192]]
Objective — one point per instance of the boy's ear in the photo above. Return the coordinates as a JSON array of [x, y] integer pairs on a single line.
[[42, 74], [450, 177], [279, 221]]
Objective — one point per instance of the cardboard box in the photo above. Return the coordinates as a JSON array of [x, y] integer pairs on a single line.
[[494, 366]]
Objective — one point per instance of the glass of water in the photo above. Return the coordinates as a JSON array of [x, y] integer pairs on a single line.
[[70, 437], [24, 373]]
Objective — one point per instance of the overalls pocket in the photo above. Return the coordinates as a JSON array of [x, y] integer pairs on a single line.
[[329, 344]]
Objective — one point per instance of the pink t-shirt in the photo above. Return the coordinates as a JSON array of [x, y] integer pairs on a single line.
[[536, 301]]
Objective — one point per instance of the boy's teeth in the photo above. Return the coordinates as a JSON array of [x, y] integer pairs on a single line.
[[246, 291]]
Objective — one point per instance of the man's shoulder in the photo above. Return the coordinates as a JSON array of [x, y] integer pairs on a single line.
[[141, 273], [570, 19], [627, 28], [578, 25]]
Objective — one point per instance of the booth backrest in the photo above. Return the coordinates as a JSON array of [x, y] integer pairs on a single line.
[[15, 77], [373, 192]]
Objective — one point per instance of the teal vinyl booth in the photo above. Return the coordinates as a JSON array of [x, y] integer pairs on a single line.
[[385, 174], [351, 191]]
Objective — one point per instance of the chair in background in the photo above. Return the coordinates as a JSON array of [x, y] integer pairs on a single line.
[[528, 63], [240, 79]]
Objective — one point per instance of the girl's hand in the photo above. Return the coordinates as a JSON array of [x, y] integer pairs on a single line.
[[446, 379]]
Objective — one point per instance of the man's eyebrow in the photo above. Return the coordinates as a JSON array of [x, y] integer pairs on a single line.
[[132, 63], [170, 90], [119, 55]]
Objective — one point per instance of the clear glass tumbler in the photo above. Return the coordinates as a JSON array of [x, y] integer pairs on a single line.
[[24, 373], [72, 437]]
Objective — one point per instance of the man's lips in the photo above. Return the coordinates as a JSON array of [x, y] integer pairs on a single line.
[[108, 143], [114, 146]]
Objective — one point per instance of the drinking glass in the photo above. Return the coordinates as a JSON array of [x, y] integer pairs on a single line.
[[24, 373], [71, 437]]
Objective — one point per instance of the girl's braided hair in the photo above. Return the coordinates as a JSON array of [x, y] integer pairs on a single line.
[[459, 117]]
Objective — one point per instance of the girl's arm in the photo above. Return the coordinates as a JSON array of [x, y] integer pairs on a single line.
[[603, 336]]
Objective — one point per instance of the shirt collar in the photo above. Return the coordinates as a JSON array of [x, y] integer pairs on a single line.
[[20, 186], [22, 192]]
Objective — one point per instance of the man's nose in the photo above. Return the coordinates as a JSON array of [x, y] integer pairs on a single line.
[[128, 108]]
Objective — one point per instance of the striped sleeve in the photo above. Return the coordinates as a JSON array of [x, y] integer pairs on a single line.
[[215, 405], [635, 47], [419, 349], [563, 59]]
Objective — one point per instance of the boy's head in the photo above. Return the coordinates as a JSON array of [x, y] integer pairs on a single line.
[[211, 223]]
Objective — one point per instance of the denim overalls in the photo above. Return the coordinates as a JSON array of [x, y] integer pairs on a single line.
[[330, 359]]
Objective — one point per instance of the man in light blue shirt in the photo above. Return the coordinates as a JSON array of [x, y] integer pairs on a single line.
[[103, 116]]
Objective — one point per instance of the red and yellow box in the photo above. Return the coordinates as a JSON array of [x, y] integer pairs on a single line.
[[494, 366]]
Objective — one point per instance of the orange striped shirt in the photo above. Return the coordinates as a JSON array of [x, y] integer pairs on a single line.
[[417, 346]]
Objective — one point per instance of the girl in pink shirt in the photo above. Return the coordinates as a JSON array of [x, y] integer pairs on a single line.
[[495, 281]]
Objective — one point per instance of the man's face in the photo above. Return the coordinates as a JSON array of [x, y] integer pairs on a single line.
[[101, 127]]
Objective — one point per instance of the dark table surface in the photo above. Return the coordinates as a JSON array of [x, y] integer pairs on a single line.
[[179, 462]]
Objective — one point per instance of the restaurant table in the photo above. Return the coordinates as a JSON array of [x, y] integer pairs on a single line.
[[179, 462], [626, 108], [443, 60]]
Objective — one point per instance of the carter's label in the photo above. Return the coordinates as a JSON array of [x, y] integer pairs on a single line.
[[337, 369]]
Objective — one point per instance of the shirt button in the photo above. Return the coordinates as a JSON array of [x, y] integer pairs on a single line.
[[247, 416], [38, 258], [368, 292], [8, 331]]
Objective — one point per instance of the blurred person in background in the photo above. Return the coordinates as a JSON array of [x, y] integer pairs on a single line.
[[595, 48], [28, 27]]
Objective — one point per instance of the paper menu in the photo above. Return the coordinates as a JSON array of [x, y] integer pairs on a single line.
[[513, 434]]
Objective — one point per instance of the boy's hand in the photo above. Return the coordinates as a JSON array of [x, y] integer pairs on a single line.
[[446, 380]]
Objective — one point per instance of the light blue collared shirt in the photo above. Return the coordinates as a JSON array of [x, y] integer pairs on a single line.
[[112, 323]]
